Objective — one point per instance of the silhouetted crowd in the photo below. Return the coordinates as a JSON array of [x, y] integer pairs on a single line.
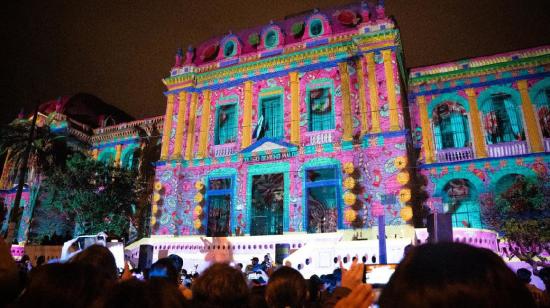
[[430, 275]]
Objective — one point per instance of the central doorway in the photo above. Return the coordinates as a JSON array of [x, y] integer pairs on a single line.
[[267, 204]]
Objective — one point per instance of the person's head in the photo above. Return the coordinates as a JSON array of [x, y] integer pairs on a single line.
[[524, 275], [453, 275], [266, 258], [239, 266], [255, 260], [10, 282], [146, 294], [40, 260], [100, 258], [544, 275], [220, 285], [315, 284], [63, 285], [177, 260], [25, 258], [286, 288], [164, 269]]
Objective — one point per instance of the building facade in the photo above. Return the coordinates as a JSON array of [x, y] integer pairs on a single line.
[[311, 125], [296, 126], [481, 124]]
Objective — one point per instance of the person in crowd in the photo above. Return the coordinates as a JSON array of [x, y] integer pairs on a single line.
[[453, 275], [165, 269], [315, 288], [10, 285], [266, 264], [286, 288], [254, 266], [544, 275], [99, 257], [220, 285], [351, 292], [541, 299], [40, 261], [147, 294], [63, 285], [178, 262], [239, 267]]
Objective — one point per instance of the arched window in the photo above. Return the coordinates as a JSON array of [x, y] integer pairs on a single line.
[[502, 119], [542, 101], [450, 126], [107, 156], [460, 199], [130, 158]]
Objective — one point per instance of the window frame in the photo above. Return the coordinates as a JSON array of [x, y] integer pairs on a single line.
[[261, 105], [235, 105], [220, 192], [316, 85], [336, 182]]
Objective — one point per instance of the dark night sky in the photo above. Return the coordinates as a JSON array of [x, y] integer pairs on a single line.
[[120, 50]]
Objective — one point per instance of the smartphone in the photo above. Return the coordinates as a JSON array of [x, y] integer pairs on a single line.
[[378, 275]]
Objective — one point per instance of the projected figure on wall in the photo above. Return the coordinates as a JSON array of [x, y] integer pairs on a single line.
[[267, 204]]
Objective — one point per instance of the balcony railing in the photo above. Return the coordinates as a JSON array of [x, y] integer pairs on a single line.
[[224, 149], [507, 149], [547, 144], [455, 154]]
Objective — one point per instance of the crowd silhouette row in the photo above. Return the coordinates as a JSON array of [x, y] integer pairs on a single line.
[[430, 275]]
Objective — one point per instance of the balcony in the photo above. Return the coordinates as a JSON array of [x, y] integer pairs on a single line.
[[507, 149], [455, 154], [546, 144], [224, 149]]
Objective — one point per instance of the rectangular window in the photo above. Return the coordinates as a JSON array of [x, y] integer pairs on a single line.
[[219, 196], [271, 110], [322, 199], [320, 115], [267, 212], [226, 124]]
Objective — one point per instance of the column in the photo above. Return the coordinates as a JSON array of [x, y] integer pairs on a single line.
[[373, 93], [362, 96], [390, 88], [118, 154], [295, 108], [167, 127], [182, 110], [347, 122], [427, 135], [191, 127], [205, 121], [477, 130], [246, 127], [533, 133]]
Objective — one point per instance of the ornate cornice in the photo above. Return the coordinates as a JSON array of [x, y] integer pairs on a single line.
[[481, 66], [340, 46]]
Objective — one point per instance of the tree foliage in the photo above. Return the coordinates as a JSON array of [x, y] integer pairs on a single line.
[[47, 150], [94, 196], [521, 214]]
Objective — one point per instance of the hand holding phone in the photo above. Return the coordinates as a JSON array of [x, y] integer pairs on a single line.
[[352, 277]]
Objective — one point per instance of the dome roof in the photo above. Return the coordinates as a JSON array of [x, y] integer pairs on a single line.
[[87, 109]]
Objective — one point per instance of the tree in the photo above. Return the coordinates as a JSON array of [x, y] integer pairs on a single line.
[[521, 214], [147, 154], [93, 196], [46, 150]]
